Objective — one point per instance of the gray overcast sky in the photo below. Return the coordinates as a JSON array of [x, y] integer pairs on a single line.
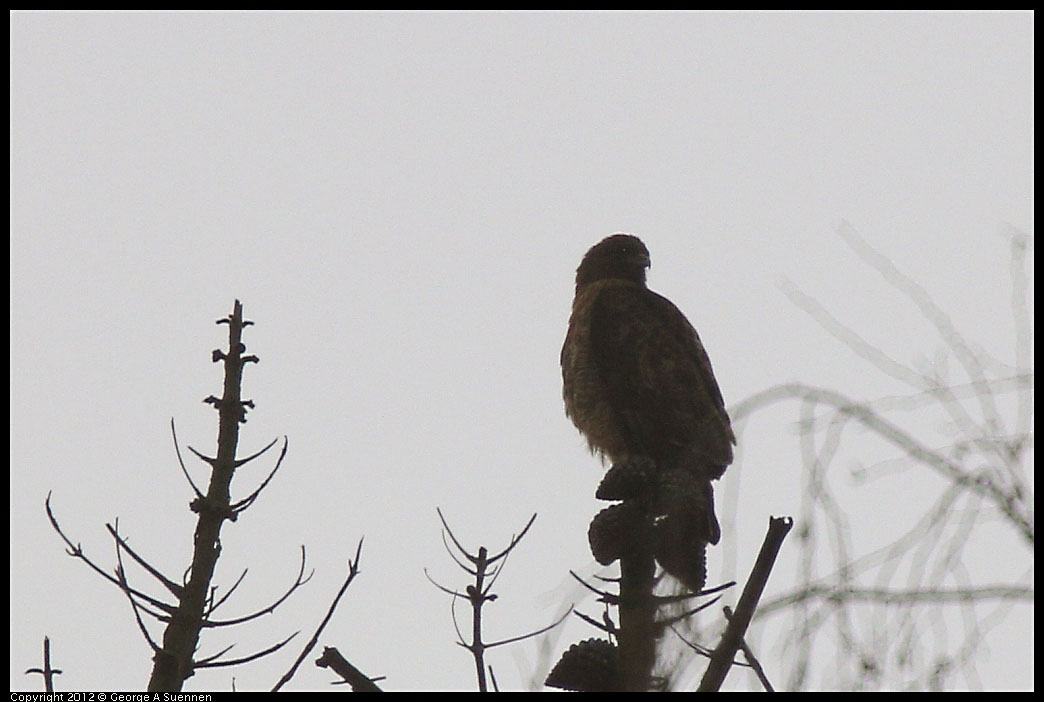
[[400, 201]]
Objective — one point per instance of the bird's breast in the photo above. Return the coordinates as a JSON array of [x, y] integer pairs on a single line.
[[583, 389]]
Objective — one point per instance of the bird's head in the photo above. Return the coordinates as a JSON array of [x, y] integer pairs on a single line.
[[620, 256]]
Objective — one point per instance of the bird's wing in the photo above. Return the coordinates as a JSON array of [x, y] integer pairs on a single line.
[[658, 377]]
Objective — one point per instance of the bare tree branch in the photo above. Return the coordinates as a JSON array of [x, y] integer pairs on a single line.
[[721, 660], [353, 571]]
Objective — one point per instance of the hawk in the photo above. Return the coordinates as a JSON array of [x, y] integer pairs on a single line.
[[639, 385]]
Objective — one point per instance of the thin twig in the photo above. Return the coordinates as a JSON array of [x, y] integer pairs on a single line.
[[47, 671], [121, 574], [353, 570], [214, 605], [249, 499], [752, 661], [241, 461], [603, 595], [173, 587], [184, 470], [299, 581], [478, 593], [76, 551], [686, 614], [211, 663], [531, 634]]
